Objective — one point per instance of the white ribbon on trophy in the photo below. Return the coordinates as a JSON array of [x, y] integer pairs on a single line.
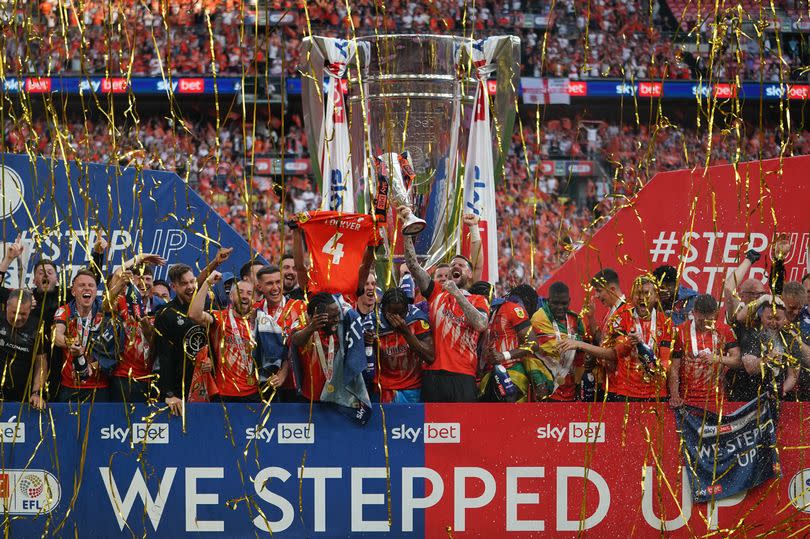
[[479, 172], [333, 150]]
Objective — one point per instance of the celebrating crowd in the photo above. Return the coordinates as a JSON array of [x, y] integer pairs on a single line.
[[608, 38], [310, 331]]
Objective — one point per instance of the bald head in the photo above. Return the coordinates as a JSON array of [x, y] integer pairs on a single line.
[[751, 290]]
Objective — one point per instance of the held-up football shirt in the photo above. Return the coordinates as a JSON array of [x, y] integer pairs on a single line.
[[336, 243]]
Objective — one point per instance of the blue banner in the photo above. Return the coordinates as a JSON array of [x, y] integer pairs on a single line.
[[121, 85], [236, 471], [688, 90], [727, 455], [57, 209]]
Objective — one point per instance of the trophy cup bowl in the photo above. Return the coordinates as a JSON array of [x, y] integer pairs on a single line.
[[413, 94]]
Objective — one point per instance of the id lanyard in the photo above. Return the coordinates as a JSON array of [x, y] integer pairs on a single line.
[[327, 362], [653, 326], [693, 337], [237, 336]]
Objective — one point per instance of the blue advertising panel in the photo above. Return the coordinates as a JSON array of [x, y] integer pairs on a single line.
[[56, 209], [236, 471]]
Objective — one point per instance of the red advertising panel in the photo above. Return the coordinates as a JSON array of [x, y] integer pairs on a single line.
[[114, 85], [557, 470], [702, 220], [725, 91], [577, 88], [650, 89], [191, 86], [38, 85]]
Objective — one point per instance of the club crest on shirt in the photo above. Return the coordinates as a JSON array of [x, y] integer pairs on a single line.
[[520, 312], [195, 340], [425, 324], [303, 217], [180, 320]]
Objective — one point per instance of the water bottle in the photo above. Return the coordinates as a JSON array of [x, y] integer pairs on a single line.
[[506, 388], [646, 356], [588, 389]]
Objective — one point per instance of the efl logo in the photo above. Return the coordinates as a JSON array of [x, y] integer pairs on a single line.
[[442, 433], [150, 433], [296, 433], [12, 432], [650, 89], [578, 89], [586, 433], [191, 86]]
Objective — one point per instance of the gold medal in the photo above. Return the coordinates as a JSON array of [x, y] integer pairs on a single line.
[[330, 388], [251, 380]]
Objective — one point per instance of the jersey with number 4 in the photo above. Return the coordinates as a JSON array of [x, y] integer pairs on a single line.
[[336, 242]]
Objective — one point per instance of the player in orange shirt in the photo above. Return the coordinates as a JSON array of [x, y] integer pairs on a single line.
[[317, 343], [703, 349], [74, 325], [232, 339], [289, 315], [458, 319], [641, 337], [404, 342]]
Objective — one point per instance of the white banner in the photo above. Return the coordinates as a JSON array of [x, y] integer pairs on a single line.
[[545, 91], [479, 173], [335, 155]]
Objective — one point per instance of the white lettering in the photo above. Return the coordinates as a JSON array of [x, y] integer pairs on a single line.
[[685, 512], [193, 499], [361, 499], [515, 498], [287, 512], [462, 502], [137, 487], [319, 477], [563, 523], [409, 503]]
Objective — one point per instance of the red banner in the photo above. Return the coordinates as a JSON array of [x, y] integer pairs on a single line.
[[702, 220], [607, 471]]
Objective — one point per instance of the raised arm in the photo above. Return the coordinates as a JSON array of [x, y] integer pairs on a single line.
[[97, 257], [475, 318], [196, 310], [420, 276], [476, 245], [37, 399], [365, 268], [13, 251], [298, 259], [222, 256], [733, 281], [781, 248]]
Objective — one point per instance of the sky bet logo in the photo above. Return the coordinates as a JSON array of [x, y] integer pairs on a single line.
[[435, 433], [288, 433], [578, 433], [150, 433]]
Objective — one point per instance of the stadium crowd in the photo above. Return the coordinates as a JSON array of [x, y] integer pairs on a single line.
[[611, 38], [309, 331], [215, 164]]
